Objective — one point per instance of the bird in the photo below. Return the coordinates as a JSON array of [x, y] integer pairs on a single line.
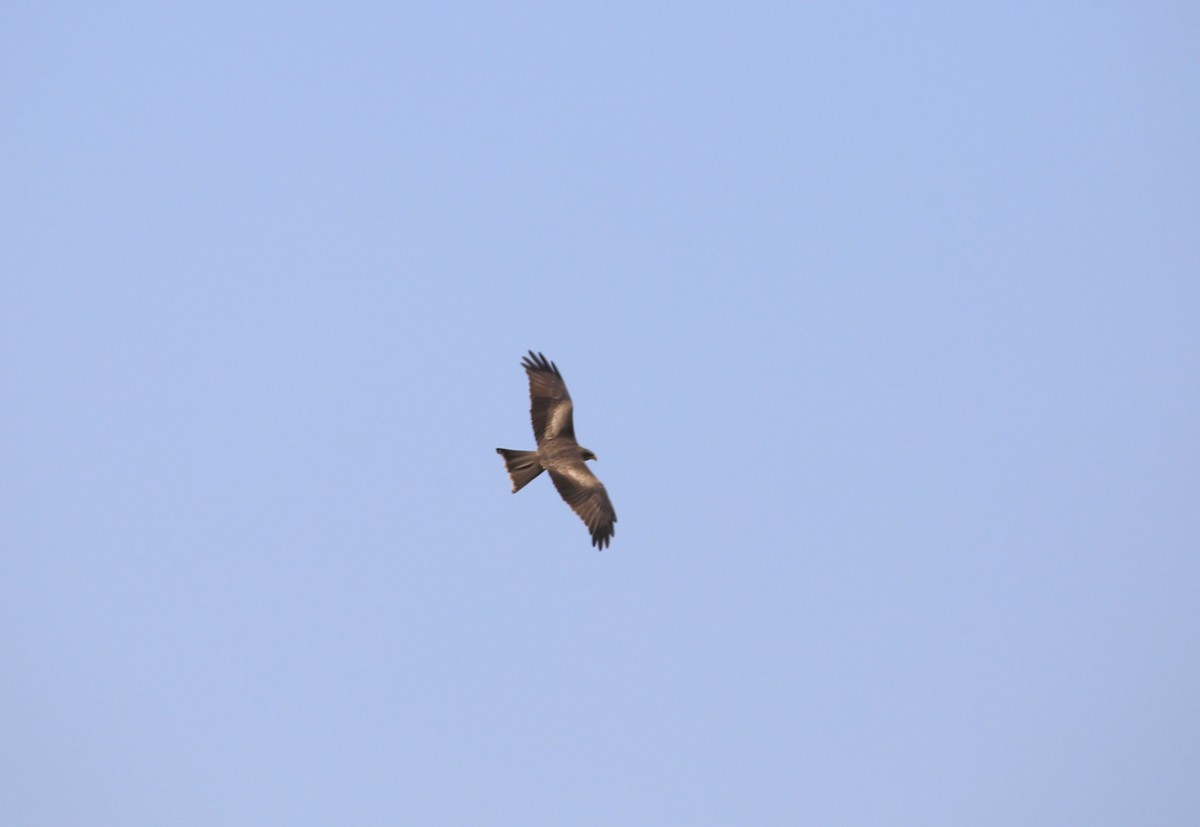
[[557, 451]]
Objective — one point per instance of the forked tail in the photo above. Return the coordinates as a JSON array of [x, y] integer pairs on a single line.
[[522, 467]]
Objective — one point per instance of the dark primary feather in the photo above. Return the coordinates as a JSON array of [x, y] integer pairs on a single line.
[[587, 498], [549, 403]]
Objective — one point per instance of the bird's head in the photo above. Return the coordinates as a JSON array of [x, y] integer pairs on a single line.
[[586, 454]]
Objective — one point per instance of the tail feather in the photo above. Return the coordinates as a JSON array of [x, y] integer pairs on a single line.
[[522, 467]]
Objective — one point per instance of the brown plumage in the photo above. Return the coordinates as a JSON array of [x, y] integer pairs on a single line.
[[558, 452]]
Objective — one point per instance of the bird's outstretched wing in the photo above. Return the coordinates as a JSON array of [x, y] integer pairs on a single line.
[[549, 403], [587, 498]]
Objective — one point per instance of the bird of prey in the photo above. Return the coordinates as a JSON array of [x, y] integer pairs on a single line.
[[558, 452]]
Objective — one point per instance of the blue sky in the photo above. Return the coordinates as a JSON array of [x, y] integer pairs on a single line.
[[882, 321]]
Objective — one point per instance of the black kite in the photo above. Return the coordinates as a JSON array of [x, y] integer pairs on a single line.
[[558, 452]]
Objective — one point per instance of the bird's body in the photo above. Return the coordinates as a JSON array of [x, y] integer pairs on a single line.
[[557, 451]]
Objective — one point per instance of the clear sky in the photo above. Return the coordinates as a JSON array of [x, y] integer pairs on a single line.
[[883, 319]]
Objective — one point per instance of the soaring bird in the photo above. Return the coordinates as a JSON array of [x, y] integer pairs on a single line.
[[558, 452]]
